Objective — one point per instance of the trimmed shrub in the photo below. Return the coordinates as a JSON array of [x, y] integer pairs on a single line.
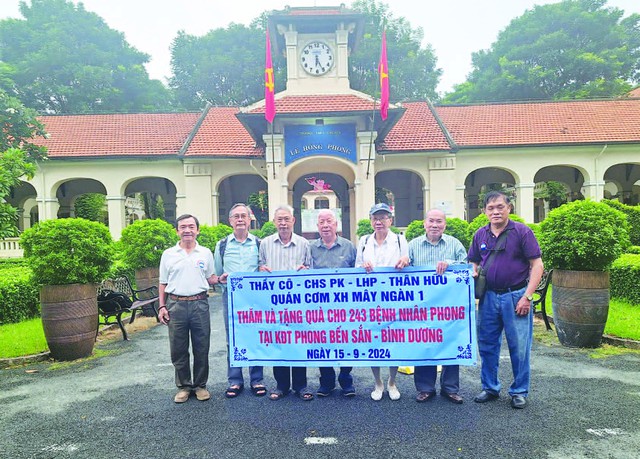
[[143, 242], [268, 229], [364, 227], [210, 235], [19, 293], [633, 218], [414, 230], [482, 220], [583, 236], [459, 229], [633, 249], [535, 227], [68, 251], [625, 278], [92, 206]]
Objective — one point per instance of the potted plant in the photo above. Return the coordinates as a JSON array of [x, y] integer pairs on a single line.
[[68, 258], [141, 246], [580, 240]]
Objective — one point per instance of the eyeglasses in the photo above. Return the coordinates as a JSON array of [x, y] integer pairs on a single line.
[[380, 218], [239, 216]]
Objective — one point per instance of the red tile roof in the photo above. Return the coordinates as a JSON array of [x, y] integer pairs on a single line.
[[543, 123], [417, 130], [116, 135], [320, 104], [221, 134]]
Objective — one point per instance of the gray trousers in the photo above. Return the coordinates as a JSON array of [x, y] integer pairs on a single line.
[[425, 379], [189, 320], [234, 374]]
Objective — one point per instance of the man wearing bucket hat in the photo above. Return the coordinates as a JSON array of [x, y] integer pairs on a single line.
[[383, 248]]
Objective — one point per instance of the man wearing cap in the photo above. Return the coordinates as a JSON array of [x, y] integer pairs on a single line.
[[332, 251], [186, 270], [383, 248], [434, 248]]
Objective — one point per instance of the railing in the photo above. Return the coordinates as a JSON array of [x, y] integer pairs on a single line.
[[10, 248]]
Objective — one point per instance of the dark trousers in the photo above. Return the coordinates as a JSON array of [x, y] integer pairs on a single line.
[[290, 377], [234, 374], [189, 320], [328, 378], [425, 379]]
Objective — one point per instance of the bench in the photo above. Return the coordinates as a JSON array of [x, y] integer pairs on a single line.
[[117, 296], [540, 296]]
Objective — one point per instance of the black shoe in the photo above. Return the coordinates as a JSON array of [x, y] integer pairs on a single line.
[[485, 396], [518, 402], [324, 391]]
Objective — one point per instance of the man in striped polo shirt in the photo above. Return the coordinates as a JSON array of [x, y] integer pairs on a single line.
[[286, 251], [437, 249]]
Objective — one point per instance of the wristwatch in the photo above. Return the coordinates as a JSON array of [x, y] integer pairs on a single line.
[[529, 297]]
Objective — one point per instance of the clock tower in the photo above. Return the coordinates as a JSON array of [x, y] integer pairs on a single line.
[[317, 43]]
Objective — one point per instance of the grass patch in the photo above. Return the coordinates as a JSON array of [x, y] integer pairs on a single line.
[[624, 320], [23, 338], [607, 350]]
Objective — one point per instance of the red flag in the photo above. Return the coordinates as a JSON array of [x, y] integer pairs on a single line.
[[383, 69], [269, 85]]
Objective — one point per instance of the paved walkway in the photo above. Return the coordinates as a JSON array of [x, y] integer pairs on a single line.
[[120, 406]]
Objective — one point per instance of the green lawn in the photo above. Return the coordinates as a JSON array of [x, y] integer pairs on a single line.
[[24, 338], [624, 320]]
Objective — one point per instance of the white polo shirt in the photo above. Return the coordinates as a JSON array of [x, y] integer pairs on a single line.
[[186, 274]]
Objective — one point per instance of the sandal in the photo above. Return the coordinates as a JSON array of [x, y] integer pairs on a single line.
[[259, 390], [277, 394], [233, 391], [306, 395]]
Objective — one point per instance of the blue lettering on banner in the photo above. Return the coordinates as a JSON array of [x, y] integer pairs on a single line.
[[301, 141], [348, 317]]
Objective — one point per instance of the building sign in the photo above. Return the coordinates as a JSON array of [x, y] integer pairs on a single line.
[[347, 317], [301, 141]]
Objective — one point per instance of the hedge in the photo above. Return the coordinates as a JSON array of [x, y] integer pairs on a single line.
[[210, 235], [19, 293], [633, 218], [625, 278]]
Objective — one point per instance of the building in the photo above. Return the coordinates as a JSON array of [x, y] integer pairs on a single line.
[[328, 147]]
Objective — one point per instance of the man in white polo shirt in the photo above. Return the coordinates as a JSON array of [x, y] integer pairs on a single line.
[[186, 270]]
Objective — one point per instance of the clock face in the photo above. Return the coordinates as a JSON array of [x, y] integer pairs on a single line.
[[316, 58]]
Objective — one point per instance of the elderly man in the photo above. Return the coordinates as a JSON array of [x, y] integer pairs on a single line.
[[286, 251], [437, 249], [332, 251], [383, 248], [238, 252], [512, 277], [186, 270]]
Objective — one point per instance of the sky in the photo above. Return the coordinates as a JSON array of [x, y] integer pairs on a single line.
[[454, 28]]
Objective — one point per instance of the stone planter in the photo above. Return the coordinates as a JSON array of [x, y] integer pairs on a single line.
[[145, 278], [580, 306], [70, 319]]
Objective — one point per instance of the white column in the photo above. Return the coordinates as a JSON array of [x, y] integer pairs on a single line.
[[524, 201], [459, 208], [117, 217], [197, 180]]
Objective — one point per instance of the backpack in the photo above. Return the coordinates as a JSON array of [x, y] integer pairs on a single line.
[[366, 239], [110, 301], [223, 247]]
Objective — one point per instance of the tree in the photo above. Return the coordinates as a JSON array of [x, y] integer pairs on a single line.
[[226, 66], [574, 49], [17, 154], [223, 67], [412, 69], [65, 59]]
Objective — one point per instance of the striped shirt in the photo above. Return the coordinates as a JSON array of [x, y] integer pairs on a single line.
[[382, 255], [284, 257], [448, 248], [238, 256]]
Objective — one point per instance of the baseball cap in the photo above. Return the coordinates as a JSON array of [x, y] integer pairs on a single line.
[[380, 207]]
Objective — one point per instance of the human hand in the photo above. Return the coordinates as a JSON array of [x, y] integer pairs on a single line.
[[441, 267], [223, 278], [523, 307], [163, 315], [402, 262], [368, 266], [301, 267], [264, 269]]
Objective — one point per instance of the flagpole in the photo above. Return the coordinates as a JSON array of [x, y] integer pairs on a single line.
[[383, 74], [373, 118], [269, 98], [273, 152]]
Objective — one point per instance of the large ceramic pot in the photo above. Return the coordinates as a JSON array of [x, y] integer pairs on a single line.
[[580, 306], [70, 319], [145, 278]]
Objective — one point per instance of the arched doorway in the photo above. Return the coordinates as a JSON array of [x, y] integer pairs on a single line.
[[483, 180], [402, 190]]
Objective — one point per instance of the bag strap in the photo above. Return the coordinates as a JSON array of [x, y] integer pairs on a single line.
[[489, 261]]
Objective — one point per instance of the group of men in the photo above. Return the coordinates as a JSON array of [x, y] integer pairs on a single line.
[[515, 269]]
